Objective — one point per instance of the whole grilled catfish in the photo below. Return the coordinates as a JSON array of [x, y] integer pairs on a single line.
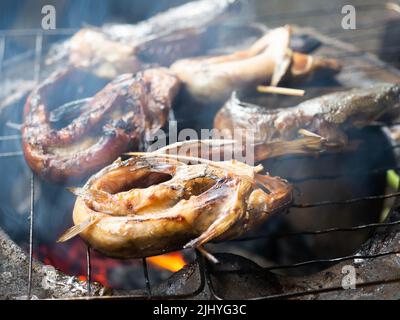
[[328, 116], [152, 204]]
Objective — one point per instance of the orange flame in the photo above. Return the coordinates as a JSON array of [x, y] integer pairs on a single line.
[[171, 261]]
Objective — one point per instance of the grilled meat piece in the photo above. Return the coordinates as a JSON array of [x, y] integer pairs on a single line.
[[212, 79], [116, 119], [152, 204], [328, 116], [162, 39]]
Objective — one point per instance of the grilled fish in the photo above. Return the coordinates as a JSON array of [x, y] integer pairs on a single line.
[[154, 203], [328, 116], [116, 119], [212, 79], [162, 39]]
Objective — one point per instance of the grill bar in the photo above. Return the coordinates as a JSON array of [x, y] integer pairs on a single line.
[[146, 277], [88, 272], [11, 154], [38, 56], [326, 290], [10, 137], [211, 287], [318, 232], [34, 32], [347, 174], [31, 225], [2, 50], [348, 201], [13, 125], [331, 260]]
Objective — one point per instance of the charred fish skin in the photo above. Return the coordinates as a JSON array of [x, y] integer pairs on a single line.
[[162, 39], [115, 120], [197, 204], [328, 116]]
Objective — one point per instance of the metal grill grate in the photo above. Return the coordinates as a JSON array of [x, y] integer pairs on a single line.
[[204, 268]]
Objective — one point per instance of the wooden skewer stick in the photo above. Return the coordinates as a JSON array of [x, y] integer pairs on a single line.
[[208, 255], [280, 90]]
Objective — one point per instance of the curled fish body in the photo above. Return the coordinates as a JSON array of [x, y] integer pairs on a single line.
[[116, 119], [148, 205]]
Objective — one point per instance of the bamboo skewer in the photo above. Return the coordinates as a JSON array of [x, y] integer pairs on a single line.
[[281, 90]]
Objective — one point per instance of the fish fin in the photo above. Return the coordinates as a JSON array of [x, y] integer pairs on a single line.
[[221, 224], [281, 69], [304, 145], [90, 194], [77, 229], [79, 192], [194, 142], [217, 228], [307, 133], [118, 160], [282, 53]]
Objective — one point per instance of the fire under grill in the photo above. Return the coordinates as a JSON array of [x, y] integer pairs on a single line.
[[376, 261]]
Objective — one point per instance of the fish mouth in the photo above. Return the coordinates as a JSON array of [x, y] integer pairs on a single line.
[[149, 179]]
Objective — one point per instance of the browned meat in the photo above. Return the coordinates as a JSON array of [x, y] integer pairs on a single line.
[[212, 79], [113, 121], [153, 204]]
